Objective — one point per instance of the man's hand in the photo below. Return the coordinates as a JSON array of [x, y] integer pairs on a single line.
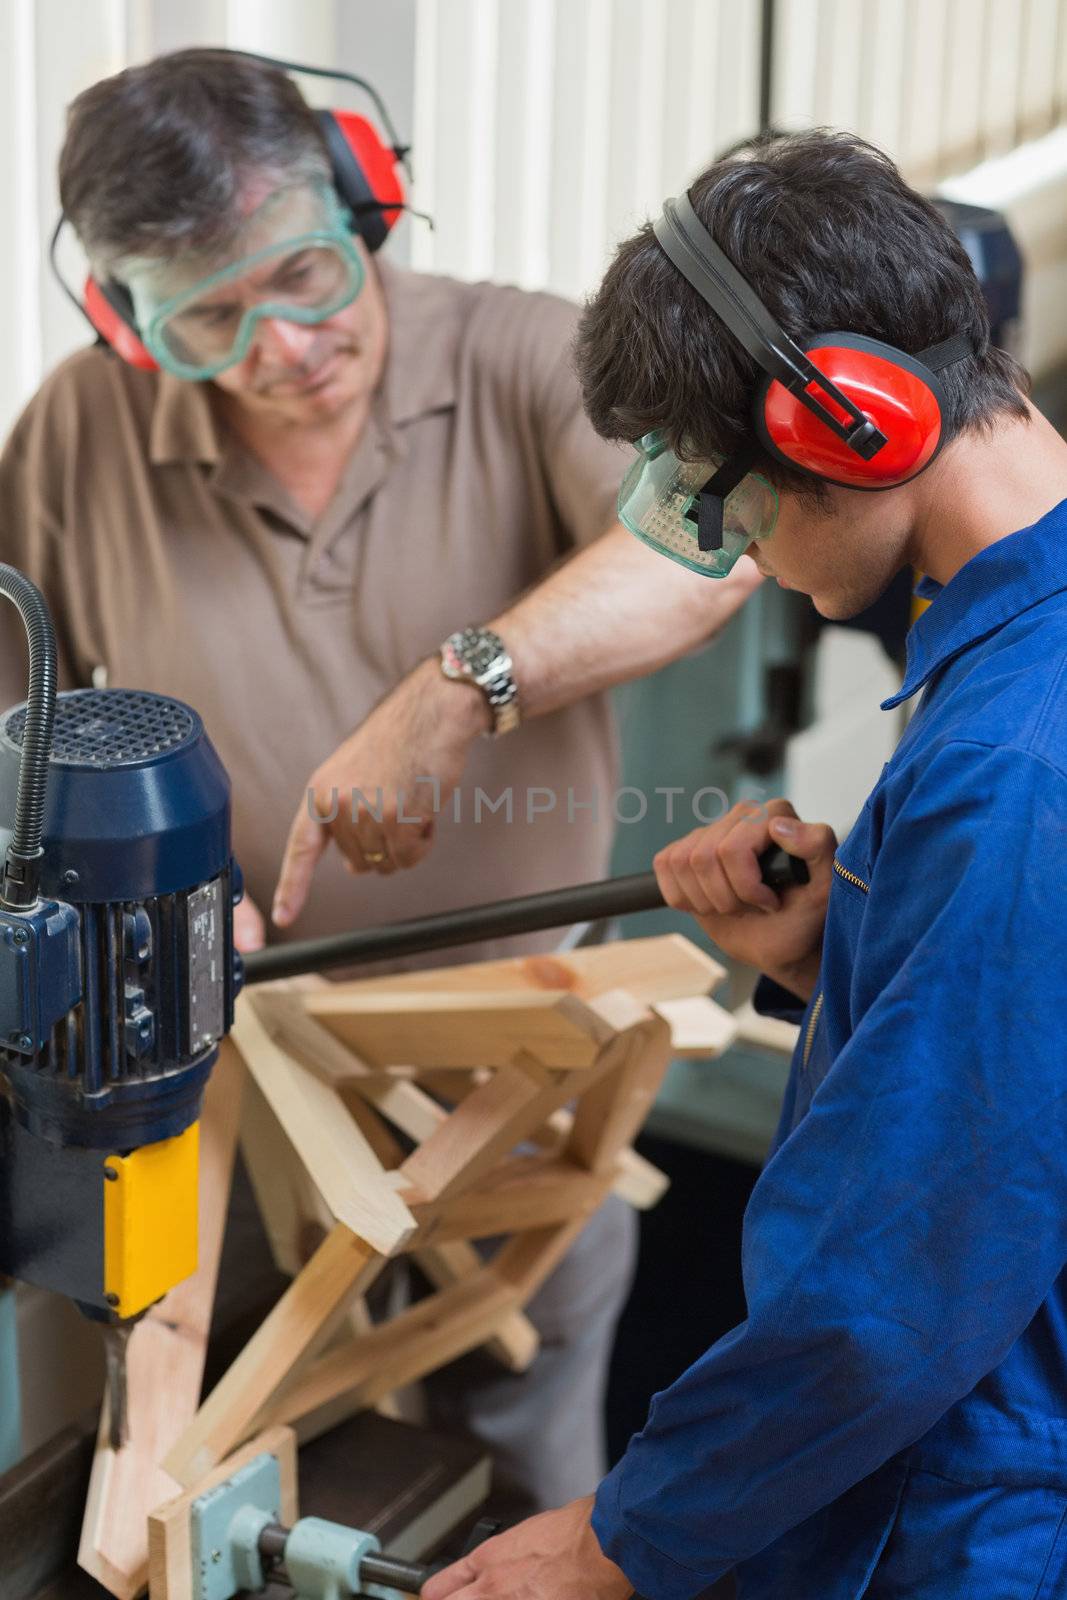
[[412, 748], [552, 1557], [249, 929], [714, 873]]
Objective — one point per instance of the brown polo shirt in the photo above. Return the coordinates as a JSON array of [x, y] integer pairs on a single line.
[[174, 561]]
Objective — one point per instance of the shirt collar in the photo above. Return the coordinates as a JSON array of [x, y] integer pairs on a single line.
[[183, 423], [425, 324], [426, 318], [996, 585]]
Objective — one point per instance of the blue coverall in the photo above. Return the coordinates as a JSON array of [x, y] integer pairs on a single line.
[[891, 1419]]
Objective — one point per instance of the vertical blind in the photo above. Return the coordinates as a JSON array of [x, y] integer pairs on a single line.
[[543, 130]]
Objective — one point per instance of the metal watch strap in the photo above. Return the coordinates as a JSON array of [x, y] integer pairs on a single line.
[[502, 694]]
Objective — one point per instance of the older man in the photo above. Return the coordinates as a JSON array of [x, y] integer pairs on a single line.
[[338, 465]]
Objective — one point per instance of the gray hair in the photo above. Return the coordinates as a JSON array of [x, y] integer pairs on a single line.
[[156, 157]]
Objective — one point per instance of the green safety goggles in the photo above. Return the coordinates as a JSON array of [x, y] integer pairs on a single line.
[[703, 515], [295, 260]]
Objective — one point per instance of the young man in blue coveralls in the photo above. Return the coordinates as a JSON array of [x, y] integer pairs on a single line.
[[891, 1419]]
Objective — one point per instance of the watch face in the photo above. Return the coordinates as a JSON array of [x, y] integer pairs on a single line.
[[480, 655]]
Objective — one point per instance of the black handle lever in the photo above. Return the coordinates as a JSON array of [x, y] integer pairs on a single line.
[[779, 870], [486, 1528], [409, 1576], [532, 913]]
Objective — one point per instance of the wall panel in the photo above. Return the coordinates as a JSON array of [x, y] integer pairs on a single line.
[[543, 130]]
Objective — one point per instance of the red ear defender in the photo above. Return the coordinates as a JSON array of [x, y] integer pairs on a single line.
[[366, 173], [115, 324], [900, 395]]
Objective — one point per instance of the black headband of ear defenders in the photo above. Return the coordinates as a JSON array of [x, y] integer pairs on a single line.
[[690, 247]]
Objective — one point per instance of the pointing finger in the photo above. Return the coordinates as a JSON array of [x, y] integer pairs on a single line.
[[308, 838]]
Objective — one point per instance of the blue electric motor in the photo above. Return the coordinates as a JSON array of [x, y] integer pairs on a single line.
[[115, 991], [117, 977]]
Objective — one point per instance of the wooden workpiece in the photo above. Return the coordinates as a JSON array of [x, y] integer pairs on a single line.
[[550, 1065]]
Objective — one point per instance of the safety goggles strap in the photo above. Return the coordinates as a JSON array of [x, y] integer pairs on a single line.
[[711, 498]]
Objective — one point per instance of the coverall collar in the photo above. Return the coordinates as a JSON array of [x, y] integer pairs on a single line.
[[997, 584]]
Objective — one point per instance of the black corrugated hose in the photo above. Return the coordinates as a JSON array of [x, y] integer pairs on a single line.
[[22, 868]]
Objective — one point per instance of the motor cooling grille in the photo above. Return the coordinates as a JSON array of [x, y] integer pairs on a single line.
[[112, 727]]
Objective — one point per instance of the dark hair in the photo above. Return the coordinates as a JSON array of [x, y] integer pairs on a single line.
[[831, 238], [155, 157]]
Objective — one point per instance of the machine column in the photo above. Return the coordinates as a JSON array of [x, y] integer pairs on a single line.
[[10, 1404]]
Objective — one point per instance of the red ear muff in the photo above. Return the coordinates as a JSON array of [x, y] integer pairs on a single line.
[[900, 395], [113, 321], [366, 173]]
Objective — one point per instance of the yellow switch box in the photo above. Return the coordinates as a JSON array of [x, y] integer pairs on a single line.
[[150, 1221]]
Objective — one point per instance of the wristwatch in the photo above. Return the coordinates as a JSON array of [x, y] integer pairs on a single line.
[[480, 656]]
